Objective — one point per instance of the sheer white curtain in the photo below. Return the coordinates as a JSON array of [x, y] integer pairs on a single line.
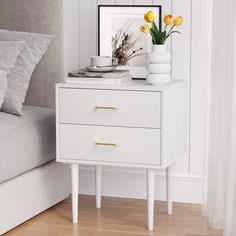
[[221, 202]]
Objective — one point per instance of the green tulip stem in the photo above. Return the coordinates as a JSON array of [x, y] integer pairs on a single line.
[[170, 30], [153, 37], [165, 28]]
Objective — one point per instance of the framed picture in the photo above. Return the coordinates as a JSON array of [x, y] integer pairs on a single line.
[[119, 36]]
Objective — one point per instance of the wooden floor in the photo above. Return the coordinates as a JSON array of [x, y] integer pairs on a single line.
[[118, 217]]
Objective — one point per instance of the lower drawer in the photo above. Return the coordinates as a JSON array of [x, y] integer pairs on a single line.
[[110, 144]]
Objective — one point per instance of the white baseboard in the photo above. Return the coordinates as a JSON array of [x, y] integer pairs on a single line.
[[131, 183]]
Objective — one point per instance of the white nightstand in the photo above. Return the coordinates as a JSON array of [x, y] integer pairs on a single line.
[[132, 125]]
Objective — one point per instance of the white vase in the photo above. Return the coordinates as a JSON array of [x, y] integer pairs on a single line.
[[158, 67]]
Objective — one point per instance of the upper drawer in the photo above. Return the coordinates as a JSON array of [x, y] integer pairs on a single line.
[[109, 107]]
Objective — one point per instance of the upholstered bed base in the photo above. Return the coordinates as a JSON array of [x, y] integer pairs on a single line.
[[31, 193]]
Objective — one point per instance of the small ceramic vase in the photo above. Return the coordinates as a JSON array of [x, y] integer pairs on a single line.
[[158, 67]]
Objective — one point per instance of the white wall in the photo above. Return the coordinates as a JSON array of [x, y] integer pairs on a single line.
[[71, 35], [189, 57]]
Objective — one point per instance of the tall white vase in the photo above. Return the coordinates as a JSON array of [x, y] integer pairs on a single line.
[[158, 67]]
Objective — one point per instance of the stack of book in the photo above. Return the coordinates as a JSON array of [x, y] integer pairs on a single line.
[[83, 76]]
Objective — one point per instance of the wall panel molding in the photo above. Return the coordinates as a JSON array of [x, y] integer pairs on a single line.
[[130, 183], [199, 84]]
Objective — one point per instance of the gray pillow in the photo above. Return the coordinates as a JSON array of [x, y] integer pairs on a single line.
[[18, 79], [9, 51]]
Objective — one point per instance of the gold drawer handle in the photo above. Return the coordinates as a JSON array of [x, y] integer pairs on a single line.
[[107, 108], [100, 143]]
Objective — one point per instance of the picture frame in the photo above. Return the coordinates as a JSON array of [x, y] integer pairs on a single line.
[[119, 36]]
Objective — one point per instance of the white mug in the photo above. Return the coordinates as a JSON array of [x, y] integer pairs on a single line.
[[101, 61]]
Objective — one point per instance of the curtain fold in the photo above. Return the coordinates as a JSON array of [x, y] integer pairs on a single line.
[[221, 202]]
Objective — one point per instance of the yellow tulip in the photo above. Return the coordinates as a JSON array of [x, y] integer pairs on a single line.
[[178, 21], [149, 16], [145, 28], [168, 19], [148, 27]]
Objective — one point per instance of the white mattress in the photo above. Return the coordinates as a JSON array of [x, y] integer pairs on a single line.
[[26, 142]]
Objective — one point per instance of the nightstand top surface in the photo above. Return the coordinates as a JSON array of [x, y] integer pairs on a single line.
[[135, 85]]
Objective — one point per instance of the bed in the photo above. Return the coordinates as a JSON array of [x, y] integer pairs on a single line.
[[30, 179], [27, 142]]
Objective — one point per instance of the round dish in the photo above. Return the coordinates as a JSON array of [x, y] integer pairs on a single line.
[[100, 69]]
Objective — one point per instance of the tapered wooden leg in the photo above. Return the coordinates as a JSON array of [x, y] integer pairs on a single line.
[[75, 191], [150, 197], [169, 189], [98, 186]]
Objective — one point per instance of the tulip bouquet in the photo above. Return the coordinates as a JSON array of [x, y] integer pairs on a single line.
[[160, 36]]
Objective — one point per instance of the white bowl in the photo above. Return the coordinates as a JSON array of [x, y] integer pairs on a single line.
[[158, 79], [159, 68], [158, 58], [100, 69]]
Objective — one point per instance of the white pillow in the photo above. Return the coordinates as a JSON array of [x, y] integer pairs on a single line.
[[18, 79], [9, 51]]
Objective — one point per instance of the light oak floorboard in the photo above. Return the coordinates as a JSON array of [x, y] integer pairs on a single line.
[[126, 217]]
